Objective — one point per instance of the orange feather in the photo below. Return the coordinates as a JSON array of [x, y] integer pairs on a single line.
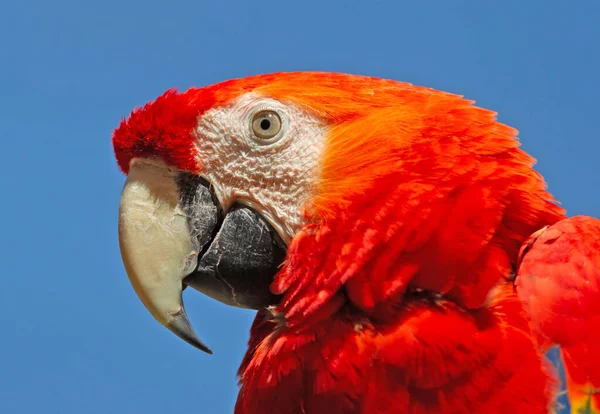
[[418, 190]]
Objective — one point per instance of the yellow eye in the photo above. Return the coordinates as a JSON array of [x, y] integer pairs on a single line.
[[266, 124]]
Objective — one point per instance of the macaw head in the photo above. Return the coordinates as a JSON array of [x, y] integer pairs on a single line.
[[305, 191]]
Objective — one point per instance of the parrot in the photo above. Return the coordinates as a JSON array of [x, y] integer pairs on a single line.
[[400, 250]]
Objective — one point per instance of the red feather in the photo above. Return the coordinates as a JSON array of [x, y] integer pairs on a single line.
[[559, 284], [433, 358]]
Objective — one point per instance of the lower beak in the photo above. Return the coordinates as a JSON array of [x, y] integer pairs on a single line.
[[171, 234]]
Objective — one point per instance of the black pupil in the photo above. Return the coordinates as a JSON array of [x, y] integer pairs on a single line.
[[265, 124]]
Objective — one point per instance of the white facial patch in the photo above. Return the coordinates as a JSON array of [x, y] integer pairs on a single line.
[[273, 176]]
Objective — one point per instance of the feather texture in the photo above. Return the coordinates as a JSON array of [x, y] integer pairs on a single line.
[[433, 357], [559, 283], [419, 191]]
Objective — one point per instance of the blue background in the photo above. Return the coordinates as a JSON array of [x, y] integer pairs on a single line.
[[75, 339]]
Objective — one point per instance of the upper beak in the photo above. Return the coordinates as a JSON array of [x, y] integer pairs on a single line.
[[171, 234]]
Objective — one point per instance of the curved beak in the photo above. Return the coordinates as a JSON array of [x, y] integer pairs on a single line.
[[157, 244], [171, 234]]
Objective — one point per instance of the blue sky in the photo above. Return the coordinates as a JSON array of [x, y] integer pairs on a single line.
[[75, 339]]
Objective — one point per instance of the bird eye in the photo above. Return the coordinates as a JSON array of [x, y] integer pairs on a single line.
[[266, 124]]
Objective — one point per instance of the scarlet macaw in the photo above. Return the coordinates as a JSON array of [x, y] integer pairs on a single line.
[[402, 254]]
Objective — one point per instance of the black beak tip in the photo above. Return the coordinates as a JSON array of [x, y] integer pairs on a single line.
[[180, 326]]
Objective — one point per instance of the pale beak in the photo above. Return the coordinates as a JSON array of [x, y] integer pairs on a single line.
[[171, 229], [157, 246]]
